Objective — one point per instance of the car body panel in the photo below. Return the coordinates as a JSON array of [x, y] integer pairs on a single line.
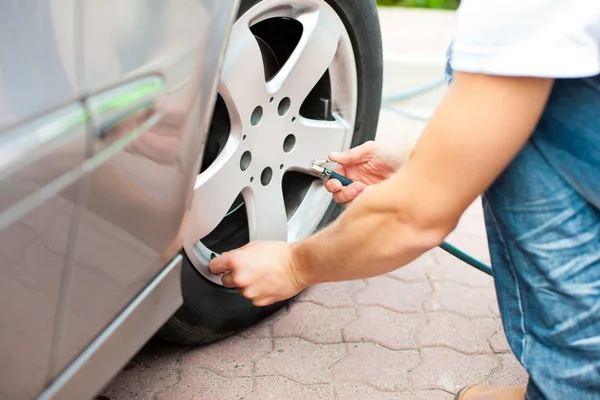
[[43, 33], [90, 371], [93, 203], [40, 172], [111, 263], [142, 166]]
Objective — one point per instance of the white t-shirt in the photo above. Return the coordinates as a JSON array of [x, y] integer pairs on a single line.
[[543, 38]]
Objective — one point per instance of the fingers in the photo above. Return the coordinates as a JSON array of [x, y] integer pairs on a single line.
[[343, 194], [355, 155], [349, 193], [257, 299], [333, 186], [227, 280], [265, 301], [221, 264]]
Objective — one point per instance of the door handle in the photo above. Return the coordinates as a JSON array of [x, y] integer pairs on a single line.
[[121, 114]]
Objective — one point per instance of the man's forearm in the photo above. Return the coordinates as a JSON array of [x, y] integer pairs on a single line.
[[478, 128], [373, 236]]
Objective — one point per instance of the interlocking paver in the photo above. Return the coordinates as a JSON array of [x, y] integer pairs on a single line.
[[494, 309], [463, 334], [259, 331], [364, 392], [333, 295], [456, 297], [300, 360], [376, 366], [232, 357], [472, 225], [449, 268], [393, 294], [510, 372], [264, 328], [498, 342], [470, 234], [450, 370], [202, 384], [315, 323], [388, 328], [151, 371], [433, 395], [416, 271], [278, 388]]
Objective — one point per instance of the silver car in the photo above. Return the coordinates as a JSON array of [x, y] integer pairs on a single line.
[[139, 139]]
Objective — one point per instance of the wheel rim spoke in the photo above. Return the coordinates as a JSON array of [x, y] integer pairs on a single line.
[[315, 140], [242, 77], [267, 218], [309, 60], [216, 189], [262, 116]]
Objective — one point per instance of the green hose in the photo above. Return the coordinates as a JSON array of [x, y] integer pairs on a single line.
[[461, 255]]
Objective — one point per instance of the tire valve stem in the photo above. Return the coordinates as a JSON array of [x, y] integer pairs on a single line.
[[317, 168]]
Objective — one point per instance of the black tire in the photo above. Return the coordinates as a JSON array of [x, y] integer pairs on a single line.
[[211, 312]]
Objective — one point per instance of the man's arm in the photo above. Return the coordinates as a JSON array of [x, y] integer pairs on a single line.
[[479, 127]]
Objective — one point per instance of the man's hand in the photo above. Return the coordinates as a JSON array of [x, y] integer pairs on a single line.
[[479, 127], [366, 165], [262, 271]]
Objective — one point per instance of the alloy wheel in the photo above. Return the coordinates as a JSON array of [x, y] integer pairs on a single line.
[[284, 99]]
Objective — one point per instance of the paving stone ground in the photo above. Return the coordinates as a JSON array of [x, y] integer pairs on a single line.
[[420, 332]]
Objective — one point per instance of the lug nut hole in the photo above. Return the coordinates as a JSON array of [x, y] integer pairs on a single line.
[[256, 116], [244, 138], [281, 166], [266, 176], [289, 143], [245, 160], [293, 119], [251, 179], [284, 106]]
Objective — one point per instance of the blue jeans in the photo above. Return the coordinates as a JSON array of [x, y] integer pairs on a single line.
[[542, 218]]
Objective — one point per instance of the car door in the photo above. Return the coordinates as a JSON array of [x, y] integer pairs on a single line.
[[150, 68], [43, 132]]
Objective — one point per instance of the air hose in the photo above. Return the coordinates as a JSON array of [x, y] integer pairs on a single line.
[[461, 255]]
